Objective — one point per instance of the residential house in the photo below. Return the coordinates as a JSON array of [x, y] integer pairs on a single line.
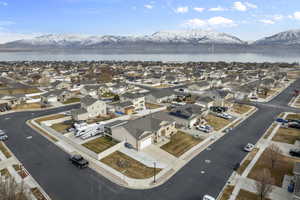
[[56, 96], [90, 108], [203, 85], [205, 101], [160, 96], [125, 107], [144, 131], [188, 114], [59, 85], [137, 99], [91, 90]]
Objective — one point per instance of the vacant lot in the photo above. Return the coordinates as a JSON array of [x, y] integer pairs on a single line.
[[241, 108], [4, 150], [100, 144], [47, 118], [245, 195], [62, 127], [247, 161], [180, 143], [287, 135], [19, 91], [129, 166], [216, 122], [27, 106], [284, 166], [72, 100]]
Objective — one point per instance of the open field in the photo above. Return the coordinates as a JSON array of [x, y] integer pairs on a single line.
[[129, 166], [284, 166], [216, 122], [100, 144], [287, 135], [180, 143]]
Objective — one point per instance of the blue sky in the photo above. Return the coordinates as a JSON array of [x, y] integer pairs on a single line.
[[249, 20]]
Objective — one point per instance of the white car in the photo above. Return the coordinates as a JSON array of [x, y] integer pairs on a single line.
[[207, 197], [249, 147], [205, 129], [224, 115]]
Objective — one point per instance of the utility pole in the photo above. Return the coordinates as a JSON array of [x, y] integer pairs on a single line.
[[154, 169]]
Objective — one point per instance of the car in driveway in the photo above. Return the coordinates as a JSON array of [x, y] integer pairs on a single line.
[[249, 147], [294, 125], [224, 116], [295, 152], [283, 121], [79, 161], [205, 129]]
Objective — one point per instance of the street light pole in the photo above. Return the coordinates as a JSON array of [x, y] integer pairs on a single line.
[[154, 177]]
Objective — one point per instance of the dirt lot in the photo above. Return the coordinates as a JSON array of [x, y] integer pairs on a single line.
[[216, 122], [284, 166], [129, 166], [287, 135], [180, 143], [100, 144]]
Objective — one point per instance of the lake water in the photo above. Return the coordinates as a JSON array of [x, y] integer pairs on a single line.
[[244, 57]]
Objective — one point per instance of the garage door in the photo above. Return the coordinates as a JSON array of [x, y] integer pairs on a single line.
[[145, 143]]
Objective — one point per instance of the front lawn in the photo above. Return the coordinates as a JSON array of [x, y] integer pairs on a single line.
[[270, 93], [129, 166], [72, 100], [293, 116], [4, 150], [47, 118], [152, 106], [100, 144], [180, 143], [227, 192], [62, 127], [37, 194], [284, 166], [216, 122], [241, 108], [27, 106], [287, 135], [246, 195]]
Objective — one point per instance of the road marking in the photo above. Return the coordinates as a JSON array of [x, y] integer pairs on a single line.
[[202, 172], [7, 118], [207, 161], [32, 113], [29, 137]]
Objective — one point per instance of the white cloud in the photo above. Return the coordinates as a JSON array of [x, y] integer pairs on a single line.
[[148, 6], [277, 17], [183, 9], [250, 5], [199, 9], [239, 6], [296, 15], [219, 8], [267, 21], [3, 3], [211, 22]]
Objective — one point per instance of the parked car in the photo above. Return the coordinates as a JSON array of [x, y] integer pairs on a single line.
[[295, 152], [280, 120], [294, 120], [224, 116], [128, 145], [79, 161], [205, 129], [249, 147], [3, 136], [207, 197], [294, 125], [218, 109]]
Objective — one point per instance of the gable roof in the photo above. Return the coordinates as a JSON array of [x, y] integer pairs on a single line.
[[88, 100]]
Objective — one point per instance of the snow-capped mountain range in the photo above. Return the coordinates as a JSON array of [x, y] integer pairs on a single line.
[[187, 40]]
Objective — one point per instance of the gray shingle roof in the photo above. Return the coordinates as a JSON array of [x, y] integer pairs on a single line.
[[88, 100]]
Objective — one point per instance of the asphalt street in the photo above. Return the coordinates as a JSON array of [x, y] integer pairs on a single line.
[[49, 165]]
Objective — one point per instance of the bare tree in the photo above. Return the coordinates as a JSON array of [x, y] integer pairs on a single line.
[[263, 184], [272, 155], [11, 190]]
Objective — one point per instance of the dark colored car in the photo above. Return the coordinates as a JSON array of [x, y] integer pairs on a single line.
[[295, 152], [294, 125], [294, 120], [79, 161]]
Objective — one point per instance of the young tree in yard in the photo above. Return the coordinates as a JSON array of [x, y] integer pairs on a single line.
[[273, 153], [263, 184], [11, 190]]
